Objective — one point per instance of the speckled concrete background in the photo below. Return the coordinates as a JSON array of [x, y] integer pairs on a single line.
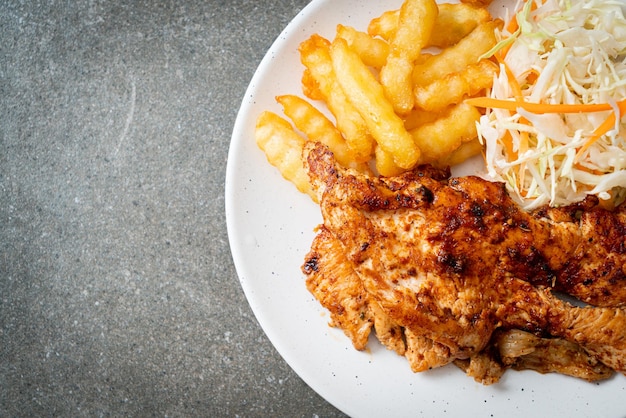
[[118, 296]]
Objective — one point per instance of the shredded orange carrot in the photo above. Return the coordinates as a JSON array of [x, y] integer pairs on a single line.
[[512, 105], [524, 136], [507, 140], [513, 26], [604, 127], [587, 169], [503, 52], [517, 89], [540, 107], [532, 76]]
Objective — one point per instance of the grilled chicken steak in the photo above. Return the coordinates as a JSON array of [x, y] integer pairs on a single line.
[[451, 260], [331, 278], [473, 223]]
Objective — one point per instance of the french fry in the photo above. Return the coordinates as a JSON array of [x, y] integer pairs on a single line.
[[385, 25], [438, 139], [398, 84], [454, 22], [283, 149], [417, 18], [385, 166], [453, 88], [477, 3], [453, 59], [315, 55], [465, 151], [364, 80], [367, 96], [372, 51], [310, 87], [419, 117], [318, 127]]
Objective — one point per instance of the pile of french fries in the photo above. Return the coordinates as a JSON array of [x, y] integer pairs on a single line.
[[395, 92]]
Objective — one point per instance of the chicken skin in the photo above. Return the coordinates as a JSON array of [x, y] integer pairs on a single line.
[[453, 260]]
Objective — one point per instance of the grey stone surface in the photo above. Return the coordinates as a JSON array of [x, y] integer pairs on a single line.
[[118, 296]]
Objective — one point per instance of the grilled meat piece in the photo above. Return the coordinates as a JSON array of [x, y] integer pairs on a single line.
[[330, 277], [334, 283], [470, 222], [522, 350], [454, 260]]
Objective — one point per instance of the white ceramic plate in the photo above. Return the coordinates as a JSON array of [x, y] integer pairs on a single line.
[[270, 227]]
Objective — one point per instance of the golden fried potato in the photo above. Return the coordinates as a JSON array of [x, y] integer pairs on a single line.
[[385, 25], [419, 117], [417, 18], [317, 127], [453, 88], [385, 165], [477, 3], [465, 151], [438, 139], [454, 22], [367, 96], [372, 51], [315, 55], [394, 105], [455, 58], [283, 149], [310, 87]]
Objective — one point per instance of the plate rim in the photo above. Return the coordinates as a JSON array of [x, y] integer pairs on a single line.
[[277, 47]]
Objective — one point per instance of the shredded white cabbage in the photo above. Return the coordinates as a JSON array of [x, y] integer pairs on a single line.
[[562, 52]]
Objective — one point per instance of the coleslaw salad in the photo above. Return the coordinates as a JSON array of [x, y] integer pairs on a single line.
[[552, 128]]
